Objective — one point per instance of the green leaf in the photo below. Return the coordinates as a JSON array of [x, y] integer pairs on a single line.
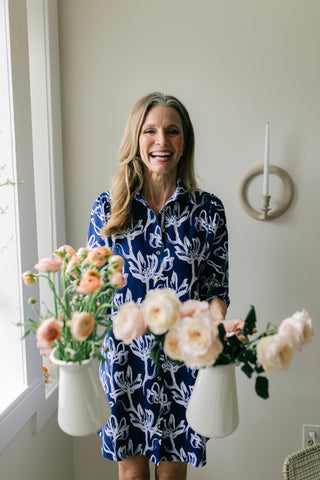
[[259, 369], [155, 353], [234, 341], [222, 332], [247, 369], [262, 387], [156, 349], [248, 356], [26, 334], [250, 322]]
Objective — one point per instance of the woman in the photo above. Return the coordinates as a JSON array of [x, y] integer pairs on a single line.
[[171, 235]]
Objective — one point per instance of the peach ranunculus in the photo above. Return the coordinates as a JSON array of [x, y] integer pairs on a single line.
[[48, 332], [275, 352], [98, 256], [298, 328], [82, 252], [82, 325], [45, 348], [71, 267], [90, 282], [117, 279], [28, 278], [160, 309], [62, 252], [48, 264], [199, 340], [116, 263], [129, 323]]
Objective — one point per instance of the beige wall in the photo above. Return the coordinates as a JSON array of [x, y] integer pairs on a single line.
[[45, 455], [235, 64]]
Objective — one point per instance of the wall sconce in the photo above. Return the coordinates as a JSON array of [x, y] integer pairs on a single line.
[[266, 213]]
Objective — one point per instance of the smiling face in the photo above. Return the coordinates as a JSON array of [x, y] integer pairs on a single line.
[[161, 141]]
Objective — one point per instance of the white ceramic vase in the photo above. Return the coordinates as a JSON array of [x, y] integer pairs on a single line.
[[83, 407], [213, 407]]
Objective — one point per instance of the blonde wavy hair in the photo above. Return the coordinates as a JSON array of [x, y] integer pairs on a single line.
[[129, 180]]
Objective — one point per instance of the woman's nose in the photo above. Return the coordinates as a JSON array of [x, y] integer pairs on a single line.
[[161, 138]]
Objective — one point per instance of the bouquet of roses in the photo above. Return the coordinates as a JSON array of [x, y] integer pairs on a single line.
[[187, 334], [79, 319]]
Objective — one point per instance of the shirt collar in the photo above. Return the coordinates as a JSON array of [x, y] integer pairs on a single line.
[[179, 191]]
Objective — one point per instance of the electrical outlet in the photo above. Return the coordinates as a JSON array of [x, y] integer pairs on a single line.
[[308, 433]]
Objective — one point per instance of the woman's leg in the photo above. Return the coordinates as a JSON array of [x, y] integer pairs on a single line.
[[134, 468], [171, 471]]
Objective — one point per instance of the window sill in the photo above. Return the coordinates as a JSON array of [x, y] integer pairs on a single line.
[[9, 394]]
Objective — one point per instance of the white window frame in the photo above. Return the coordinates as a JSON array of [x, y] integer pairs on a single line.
[[34, 83]]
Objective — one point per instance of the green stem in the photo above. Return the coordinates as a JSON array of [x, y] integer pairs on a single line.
[[53, 288], [267, 333]]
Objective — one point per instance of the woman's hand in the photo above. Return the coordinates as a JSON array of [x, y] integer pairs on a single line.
[[234, 326], [218, 311]]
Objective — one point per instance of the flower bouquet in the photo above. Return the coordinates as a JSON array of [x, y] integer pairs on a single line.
[[187, 334], [78, 322], [72, 331]]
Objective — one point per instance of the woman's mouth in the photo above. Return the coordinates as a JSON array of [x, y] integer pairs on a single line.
[[161, 155]]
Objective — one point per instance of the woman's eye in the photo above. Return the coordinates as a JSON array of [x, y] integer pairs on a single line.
[[149, 131], [173, 132]]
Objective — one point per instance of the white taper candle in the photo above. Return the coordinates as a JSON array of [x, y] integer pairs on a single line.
[[265, 190]]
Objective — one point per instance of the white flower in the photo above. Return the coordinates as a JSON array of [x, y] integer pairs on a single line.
[[171, 345], [160, 310], [199, 342], [275, 352], [298, 328], [128, 323]]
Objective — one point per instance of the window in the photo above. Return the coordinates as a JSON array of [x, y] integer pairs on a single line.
[[30, 142]]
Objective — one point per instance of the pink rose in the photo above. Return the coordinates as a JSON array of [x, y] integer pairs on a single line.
[[298, 328], [90, 282], [199, 341], [191, 307], [48, 265], [98, 256], [82, 325], [275, 352], [171, 345], [47, 333], [128, 323], [161, 309], [117, 279]]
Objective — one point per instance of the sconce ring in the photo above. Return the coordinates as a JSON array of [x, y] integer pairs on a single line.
[[266, 213]]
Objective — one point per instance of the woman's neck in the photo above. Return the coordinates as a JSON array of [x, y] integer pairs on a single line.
[[157, 191]]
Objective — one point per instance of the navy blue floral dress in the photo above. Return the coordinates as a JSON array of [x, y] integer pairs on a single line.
[[185, 248]]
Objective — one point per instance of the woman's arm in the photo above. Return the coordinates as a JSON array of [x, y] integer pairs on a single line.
[[218, 309]]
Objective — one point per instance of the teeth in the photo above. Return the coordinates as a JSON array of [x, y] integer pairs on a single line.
[[160, 154]]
